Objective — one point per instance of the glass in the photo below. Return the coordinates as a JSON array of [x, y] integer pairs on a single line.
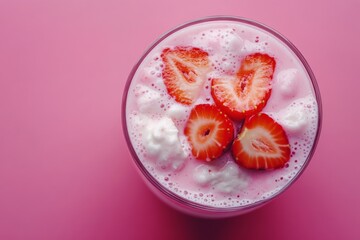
[[174, 199]]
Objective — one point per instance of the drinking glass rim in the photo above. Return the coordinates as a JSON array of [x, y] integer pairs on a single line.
[[186, 202]]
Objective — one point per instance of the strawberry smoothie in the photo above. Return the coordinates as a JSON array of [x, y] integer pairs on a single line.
[[221, 115]]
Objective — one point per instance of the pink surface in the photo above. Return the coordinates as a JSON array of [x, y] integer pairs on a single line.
[[65, 171]]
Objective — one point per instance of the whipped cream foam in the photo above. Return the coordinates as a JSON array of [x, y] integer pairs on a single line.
[[161, 142], [299, 116], [227, 179], [224, 48], [287, 81]]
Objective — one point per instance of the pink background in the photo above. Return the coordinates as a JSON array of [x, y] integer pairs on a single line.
[[65, 171]]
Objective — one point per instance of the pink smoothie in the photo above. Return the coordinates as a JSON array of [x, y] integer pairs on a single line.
[[155, 121]]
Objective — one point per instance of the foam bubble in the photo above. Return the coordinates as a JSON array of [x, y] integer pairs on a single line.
[[225, 39], [250, 47], [153, 72], [224, 48]]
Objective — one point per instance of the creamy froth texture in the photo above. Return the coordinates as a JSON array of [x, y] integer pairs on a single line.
[[156, 121]]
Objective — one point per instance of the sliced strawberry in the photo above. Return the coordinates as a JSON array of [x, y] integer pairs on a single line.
[[246, 93], [261, 144], [209, 132], [184, 72]]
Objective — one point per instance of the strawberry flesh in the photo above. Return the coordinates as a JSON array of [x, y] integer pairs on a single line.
[[184, 72], [209, 132], [247, 92], [261, 144]]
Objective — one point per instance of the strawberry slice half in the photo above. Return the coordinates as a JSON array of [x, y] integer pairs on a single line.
[[184, 72], [209, 132], [246, 93], [261, 144]]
